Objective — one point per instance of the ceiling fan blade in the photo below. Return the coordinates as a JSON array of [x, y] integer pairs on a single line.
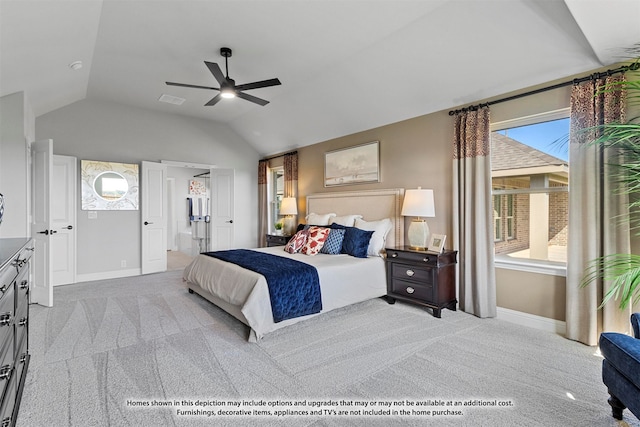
[[193, 86], [251, 98], [216, 71], [214, 100], [257, 85]]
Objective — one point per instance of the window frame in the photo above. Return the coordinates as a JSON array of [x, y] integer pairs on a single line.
[[275, 196], [553, 268]]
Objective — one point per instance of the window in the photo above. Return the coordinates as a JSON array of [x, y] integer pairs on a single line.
[[509, 218], [497, 218], [503, 216], [276, 193], [530, 181]]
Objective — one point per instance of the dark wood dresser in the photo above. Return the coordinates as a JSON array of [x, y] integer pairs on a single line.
[[277, 240], [422, 277], [15, 259]]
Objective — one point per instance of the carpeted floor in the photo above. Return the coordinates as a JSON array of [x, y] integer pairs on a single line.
[[142, 351]]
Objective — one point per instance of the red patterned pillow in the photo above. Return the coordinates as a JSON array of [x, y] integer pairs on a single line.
[[297, 242], [316, 239]]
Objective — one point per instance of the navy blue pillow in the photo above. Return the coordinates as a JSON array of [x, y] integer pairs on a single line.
[[356, 241], [333, 244]]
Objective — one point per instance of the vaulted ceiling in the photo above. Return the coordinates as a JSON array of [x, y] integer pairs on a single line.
[[345, 65]]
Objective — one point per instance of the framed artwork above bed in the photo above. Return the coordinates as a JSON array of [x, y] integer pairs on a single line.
[[354, 165]]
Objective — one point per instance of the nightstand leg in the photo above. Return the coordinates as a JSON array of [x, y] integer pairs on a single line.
[[390, 300], [437, 312]]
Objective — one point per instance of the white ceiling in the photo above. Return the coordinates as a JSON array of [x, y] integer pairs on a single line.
[[345, 65]]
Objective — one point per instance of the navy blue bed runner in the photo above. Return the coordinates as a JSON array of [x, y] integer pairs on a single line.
[[294, 287]]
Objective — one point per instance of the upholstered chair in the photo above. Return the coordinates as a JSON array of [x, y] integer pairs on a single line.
[[621, 369]]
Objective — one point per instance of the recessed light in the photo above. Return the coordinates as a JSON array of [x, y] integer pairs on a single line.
[[76, 65]]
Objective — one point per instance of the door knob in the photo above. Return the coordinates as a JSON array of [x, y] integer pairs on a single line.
[[147, 223], [45, 232], [230, 221], [68, 227]]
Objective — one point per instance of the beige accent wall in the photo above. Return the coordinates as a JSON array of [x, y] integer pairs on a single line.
[[418, 152], [415, 152]]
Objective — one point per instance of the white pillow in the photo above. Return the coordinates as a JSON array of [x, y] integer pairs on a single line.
[[346, 220], [319, 219], [380, 230]]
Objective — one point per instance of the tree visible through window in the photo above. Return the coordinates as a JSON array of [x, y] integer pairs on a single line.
[[530, 181]]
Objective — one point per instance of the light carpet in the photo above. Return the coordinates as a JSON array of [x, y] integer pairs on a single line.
[[108, 346]]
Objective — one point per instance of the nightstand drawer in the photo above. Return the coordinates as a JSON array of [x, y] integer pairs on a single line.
[[410, 289], [431, 259], [412, 272]]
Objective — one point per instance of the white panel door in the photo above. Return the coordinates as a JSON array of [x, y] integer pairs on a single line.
[[63, 220], [42, 288], [222, 208], [153, 192]]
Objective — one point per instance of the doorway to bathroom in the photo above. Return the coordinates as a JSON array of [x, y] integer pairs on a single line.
[[199, 211]]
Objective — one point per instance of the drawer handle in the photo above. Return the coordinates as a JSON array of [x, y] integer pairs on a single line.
[[24, 284], [410, 273], [5, 372], [6, 422], [3, 289], [410, 290], [22, 321], [23, 358], [425, 259], [394, 255], [6, 319]]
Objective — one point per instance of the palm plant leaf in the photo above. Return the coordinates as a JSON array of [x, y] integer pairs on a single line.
[[622, 271]]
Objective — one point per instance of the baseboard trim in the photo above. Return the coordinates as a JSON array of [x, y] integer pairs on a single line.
[[532, 321], [116, 274]]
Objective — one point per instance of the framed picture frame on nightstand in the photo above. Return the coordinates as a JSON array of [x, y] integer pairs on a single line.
[[436, 243]]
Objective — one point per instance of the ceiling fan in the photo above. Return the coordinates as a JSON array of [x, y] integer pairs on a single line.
[[228, 87]]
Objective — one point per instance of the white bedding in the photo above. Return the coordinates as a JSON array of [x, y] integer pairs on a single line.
[[344, 280]]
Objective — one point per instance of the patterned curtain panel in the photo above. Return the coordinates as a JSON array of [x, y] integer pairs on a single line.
[[473, 215], [291, 175], [291, 180], [263, 203], [598, 213]]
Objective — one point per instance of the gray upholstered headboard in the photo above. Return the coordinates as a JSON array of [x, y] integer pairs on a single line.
[[371, 204]]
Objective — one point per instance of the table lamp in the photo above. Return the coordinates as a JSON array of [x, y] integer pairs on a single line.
[[418, 204], [289, 208]]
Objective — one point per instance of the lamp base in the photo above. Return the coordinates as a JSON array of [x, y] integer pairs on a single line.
[[418, 234], [289, 225]]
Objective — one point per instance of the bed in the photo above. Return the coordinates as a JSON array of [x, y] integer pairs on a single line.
[[343, 279]]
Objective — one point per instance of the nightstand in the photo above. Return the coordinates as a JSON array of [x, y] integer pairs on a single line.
[[277, 240], [422, 277]]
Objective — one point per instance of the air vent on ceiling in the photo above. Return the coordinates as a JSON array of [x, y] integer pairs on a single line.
[[170, 99]]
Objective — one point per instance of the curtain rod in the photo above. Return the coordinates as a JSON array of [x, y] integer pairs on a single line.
[[280, 155], [633, 67]]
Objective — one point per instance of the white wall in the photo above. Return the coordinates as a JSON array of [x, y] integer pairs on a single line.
[[107, 131], [17, 129]]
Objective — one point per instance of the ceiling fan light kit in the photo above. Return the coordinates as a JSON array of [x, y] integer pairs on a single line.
[[228, 87]]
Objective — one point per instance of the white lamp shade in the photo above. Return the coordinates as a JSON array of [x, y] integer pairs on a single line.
[[418, 203], [289, 206]]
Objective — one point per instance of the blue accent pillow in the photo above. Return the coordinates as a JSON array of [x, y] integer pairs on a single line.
[[333, 244], [356, 241]]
